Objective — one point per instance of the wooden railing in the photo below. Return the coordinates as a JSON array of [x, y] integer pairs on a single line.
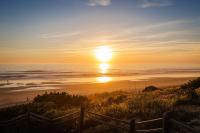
[[181, 125], [159, 125], [26, 121], [149, 126]]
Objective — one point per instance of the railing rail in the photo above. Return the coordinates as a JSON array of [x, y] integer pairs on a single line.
[[150, 130], [15, 119], [66, 116], [149, 121], [108, 117], [40, 117], [181, 125]]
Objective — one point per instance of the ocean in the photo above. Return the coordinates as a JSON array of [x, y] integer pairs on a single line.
[[26, 77]]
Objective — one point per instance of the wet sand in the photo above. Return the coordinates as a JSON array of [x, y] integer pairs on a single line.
[[8, 98]]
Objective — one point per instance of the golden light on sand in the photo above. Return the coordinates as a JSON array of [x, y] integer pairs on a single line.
[[104, 67], [104, 79], [103, 53]]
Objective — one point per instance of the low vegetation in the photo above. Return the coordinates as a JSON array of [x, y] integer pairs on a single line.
[[49, 104], [150, 88], [190, 88], [123, 105]]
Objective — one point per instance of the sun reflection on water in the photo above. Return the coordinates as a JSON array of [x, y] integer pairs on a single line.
[[104, 68], [104, 79]]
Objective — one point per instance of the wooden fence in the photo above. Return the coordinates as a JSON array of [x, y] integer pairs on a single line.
[[166, 124]]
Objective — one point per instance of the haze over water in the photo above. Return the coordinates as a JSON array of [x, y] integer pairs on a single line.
[[51, 76]]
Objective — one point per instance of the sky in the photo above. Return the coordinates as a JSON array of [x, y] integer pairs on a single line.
[[67, 31]]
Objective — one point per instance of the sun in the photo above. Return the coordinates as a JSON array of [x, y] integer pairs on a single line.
[[103, 53]]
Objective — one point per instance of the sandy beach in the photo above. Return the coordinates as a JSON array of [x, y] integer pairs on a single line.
[[8, 98]]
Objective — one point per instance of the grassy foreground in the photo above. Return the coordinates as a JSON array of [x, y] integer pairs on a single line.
[[144, 105]]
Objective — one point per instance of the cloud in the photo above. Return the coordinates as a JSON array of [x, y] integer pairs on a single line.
[[155, 3], [59, 35], [157, 31], [99, 2], [165, 26]]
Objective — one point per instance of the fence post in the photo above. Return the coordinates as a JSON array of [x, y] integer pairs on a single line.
[[166, 123], [51, 127], [28, 118], [132, 126], [81, 122]]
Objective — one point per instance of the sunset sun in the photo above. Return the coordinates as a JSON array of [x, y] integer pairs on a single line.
[[103, 53]]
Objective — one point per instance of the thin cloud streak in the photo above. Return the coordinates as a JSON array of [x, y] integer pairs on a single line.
[[99, 2], [172, 23], [160, 31], [59, 35], [155, 3]]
